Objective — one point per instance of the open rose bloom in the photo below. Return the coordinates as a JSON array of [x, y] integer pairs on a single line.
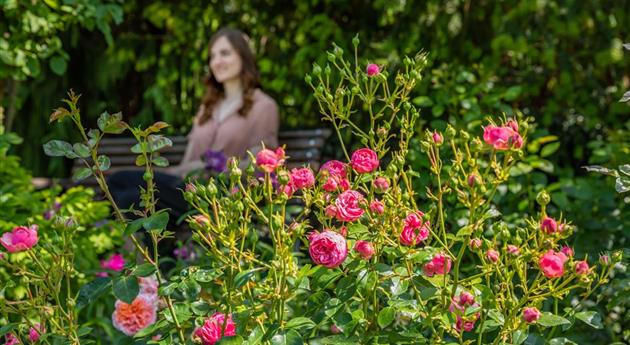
[[212, 329], [328, 248], [503, 137], [19, 239], [131, 318]]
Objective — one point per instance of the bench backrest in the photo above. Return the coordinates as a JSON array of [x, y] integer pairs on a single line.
[[303, 147]]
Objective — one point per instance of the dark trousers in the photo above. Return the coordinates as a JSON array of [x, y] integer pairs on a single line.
[[124, 187]]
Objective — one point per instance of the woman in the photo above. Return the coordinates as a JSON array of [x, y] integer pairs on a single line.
[[234, 117]]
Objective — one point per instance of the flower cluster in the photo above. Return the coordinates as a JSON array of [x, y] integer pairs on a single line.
[[214, 328]]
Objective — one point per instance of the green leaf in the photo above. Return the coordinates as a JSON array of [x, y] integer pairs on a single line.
[[518, 337], [465, 231], [141, 160], [561, 341], [550, 320], [235, 340], [291, 337], [591, 318], [81, 150], [300, 322], [243, 277], [138, 148], [133, 226], [91, 291], [143, 270], [156, 221], [158, 142], [59, 148], [513, 92], [112, 124], [356, 229], [81, 174], [200, 308], [496, 316], [160, 161], [386, 316], [256, 336], [58, 65], [549, 149], [126, 288], [6, 329], [103, 162], [205, 275]]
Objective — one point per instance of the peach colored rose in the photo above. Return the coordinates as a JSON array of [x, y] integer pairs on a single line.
[[131, 318]]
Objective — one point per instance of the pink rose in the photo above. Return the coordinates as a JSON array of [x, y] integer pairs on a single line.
[[604, 260], [466, 298], [414, 230], [511, 249], [492, 255], [11, 339], [212, 329], [333, 183], [287, 189], [334, 168], [365, 249], [302, 178], [115, 262], [377, 207], [334, 329], [512, 124], [131, 318], [20, 238], [566, 250], [372, 70], [381, 184], [268, 160], [474, 243], [548, 225], [327, 248], [502, 138], [472, 180], [348, 206], [531, 314], [364, 160], [581, 268], [34, 333], [437, 138], [552, 264], [465, 325], [330, 211], [440, 264]]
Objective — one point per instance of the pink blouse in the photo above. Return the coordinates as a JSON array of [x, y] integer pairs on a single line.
[[236, 134]]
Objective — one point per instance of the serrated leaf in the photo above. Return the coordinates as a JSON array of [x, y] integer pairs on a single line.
[[156, 127], [518, 337], [138, 148], [156, 221], [81, 174], [160, 161], [550, 320], [112, 124], [300, 322], [91, 291], [357, 229], [59, 148], [81, 150], [386, 316], [126, 288], [465, 231], [103, 162], [158, 142], [591, 318], [59, 114], [496, 316]]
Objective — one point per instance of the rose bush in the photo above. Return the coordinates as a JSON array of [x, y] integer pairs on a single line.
[[454, 272]]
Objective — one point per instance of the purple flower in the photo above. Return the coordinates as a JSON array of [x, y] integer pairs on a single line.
[[215, 160]]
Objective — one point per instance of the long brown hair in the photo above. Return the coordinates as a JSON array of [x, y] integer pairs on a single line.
[[249, 75]]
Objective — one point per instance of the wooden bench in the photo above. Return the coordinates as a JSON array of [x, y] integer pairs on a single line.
[[304, 148]]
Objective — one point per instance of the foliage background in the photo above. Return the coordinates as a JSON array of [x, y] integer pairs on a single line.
[[561, 62]]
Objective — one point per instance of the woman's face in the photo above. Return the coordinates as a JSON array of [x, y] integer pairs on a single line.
[[225, 63]]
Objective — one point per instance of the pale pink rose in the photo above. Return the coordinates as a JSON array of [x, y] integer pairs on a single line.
[[531, 314], [268, 160], [348, 206], [365, 249], [149, 287], [335, 168], [287, 189], [548, 225], [581, 268], [190, 188], [414, 229], [364, 160], [437, 138], [201, 219], [19, 239], [552, 264], [34, 333], [492, 255], [474, 243], [381, 184], [376, 206], [131, 318], [512, 249], [302, 178], [334, 329], [212, 329], [568, 251], [116, 262], [440, 264], [372, 70], [343, 231], [502, 138], [330, 211], [604, 260], [327, 248]]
